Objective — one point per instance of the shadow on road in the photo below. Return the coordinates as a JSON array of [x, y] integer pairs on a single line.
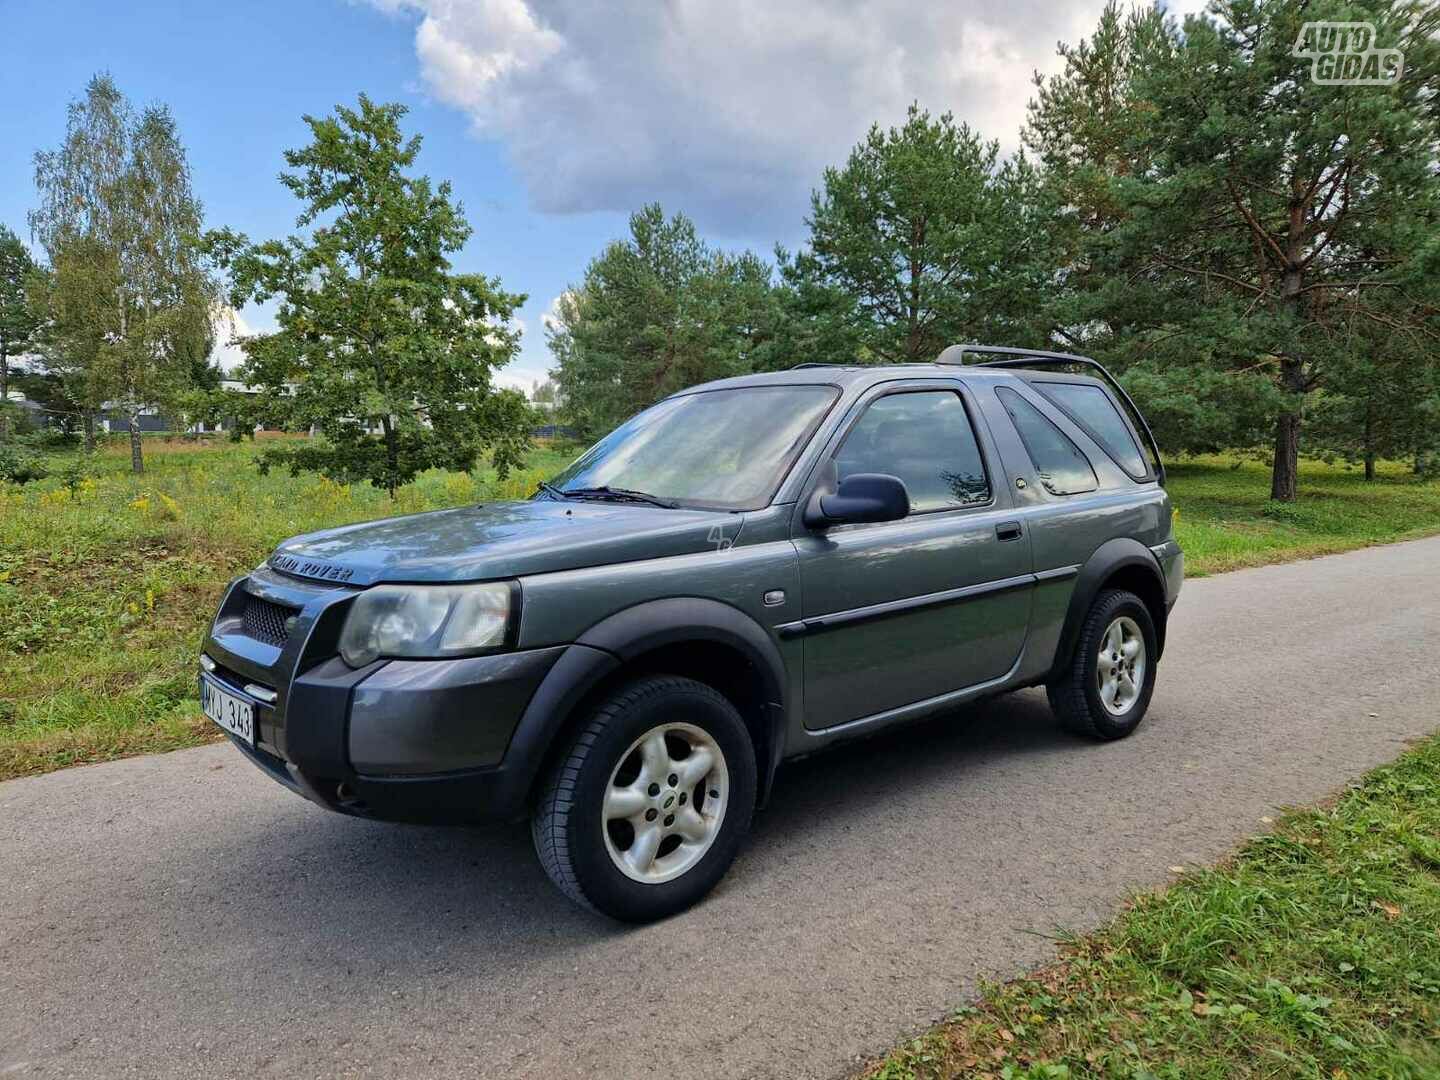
[[324, 881]]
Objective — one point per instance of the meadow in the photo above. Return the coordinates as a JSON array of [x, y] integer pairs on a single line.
[[107, 580]]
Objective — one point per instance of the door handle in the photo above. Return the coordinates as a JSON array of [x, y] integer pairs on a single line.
[[1008, 530]]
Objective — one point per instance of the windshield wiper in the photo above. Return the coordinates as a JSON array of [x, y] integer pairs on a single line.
[[605, 491], [551, 489]]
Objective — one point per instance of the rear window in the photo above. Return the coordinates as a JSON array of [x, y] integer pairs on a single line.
[[1063, 469], [1093, 410]]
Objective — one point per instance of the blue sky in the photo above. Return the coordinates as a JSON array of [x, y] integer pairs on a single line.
[[552, 119], [238, 86]]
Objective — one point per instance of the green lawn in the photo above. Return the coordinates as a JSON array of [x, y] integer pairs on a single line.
[[1313, 952], [105, 590], [1226, 520]]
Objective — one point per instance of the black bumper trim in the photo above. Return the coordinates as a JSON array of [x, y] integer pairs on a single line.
[[522, 698]]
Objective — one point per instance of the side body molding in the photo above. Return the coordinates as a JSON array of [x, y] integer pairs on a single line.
[[630, 634], [1121, 553]]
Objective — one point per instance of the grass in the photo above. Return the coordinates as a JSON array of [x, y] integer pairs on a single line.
[[1227, 520], [1313, 952], [106, 586]]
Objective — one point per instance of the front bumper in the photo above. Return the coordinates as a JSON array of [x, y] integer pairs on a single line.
[[413, 740]]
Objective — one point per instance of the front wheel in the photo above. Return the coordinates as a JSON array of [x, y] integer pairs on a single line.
[[1106, 688], [644, 813]]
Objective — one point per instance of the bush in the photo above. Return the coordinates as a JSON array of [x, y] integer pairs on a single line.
[[13, 420], [54, 438], [18, 467]]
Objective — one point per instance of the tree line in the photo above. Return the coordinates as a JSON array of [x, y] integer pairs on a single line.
[[1253, 252]]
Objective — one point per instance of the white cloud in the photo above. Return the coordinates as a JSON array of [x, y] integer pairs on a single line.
[[1181, 8], [551, 319], [229, 324], [524, 379], [727, 109]]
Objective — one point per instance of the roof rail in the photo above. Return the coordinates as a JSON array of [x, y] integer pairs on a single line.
[[1040, 358], [812, 363]]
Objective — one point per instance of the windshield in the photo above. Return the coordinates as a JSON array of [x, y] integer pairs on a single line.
[[717, 449]]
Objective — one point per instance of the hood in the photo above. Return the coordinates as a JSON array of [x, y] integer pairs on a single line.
[[500, 540]]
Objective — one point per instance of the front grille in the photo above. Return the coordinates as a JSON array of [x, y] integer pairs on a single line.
[[265, 621]]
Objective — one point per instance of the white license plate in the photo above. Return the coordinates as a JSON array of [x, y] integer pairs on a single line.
[[235, 715]]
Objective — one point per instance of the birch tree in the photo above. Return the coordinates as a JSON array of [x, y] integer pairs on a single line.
[[128, 295]]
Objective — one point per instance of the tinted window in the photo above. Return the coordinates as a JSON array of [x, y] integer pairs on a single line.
[[926, 440], [1063, 469], [726, 449], [1098, 416]]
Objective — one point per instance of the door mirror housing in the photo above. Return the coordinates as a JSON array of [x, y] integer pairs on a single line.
[[860, 498]]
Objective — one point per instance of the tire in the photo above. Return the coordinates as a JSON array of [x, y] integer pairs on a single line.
[[595, 849], [1078, 696]]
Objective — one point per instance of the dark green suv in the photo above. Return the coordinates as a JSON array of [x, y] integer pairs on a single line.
[[747, 572]]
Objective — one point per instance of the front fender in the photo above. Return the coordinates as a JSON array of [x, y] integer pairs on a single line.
[[626, 636]]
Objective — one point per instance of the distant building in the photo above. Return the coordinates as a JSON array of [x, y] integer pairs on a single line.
[[37, 414]]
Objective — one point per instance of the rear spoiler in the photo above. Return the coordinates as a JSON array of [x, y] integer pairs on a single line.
[[1038, 358]]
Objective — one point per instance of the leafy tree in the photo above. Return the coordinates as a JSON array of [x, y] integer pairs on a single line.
[[58, 376], [50, 392], [127, 296], [1233, 213], [814, 319], [1380, 400], [1199, 409], [922, 232], [654, 314], [17, 321], [381, 348]]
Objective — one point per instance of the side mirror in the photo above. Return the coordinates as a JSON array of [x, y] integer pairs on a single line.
[[862, 497]]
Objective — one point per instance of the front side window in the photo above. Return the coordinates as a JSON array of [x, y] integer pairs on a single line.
[[925, 439], [1096, 413], [1062, 468], [716, 449]]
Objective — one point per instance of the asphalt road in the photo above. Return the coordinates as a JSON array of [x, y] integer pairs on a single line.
[[181, 915]]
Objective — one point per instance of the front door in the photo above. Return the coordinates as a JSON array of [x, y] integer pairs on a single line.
[[902, 611]]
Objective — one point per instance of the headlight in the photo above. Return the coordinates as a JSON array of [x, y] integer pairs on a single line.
[[425, 621]]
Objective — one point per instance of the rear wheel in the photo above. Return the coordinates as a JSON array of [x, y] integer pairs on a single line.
[[1105, 690], [646, 810]]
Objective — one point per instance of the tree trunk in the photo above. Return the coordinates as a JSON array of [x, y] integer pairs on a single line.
[[137, 460], [4, 393], [392, 454], [1369, 440], [87, 425], [1284, 473]]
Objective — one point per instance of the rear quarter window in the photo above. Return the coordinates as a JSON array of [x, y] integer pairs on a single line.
[[1093, 410], [1062, 467]]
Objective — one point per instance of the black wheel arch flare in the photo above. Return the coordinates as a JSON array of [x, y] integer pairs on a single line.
[[621, 639], [1119, 563]]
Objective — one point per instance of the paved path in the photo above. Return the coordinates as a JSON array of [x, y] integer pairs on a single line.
[[181, 915]]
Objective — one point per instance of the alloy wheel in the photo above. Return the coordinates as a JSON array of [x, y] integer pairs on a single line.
[[1120, 670], [665, 802]]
